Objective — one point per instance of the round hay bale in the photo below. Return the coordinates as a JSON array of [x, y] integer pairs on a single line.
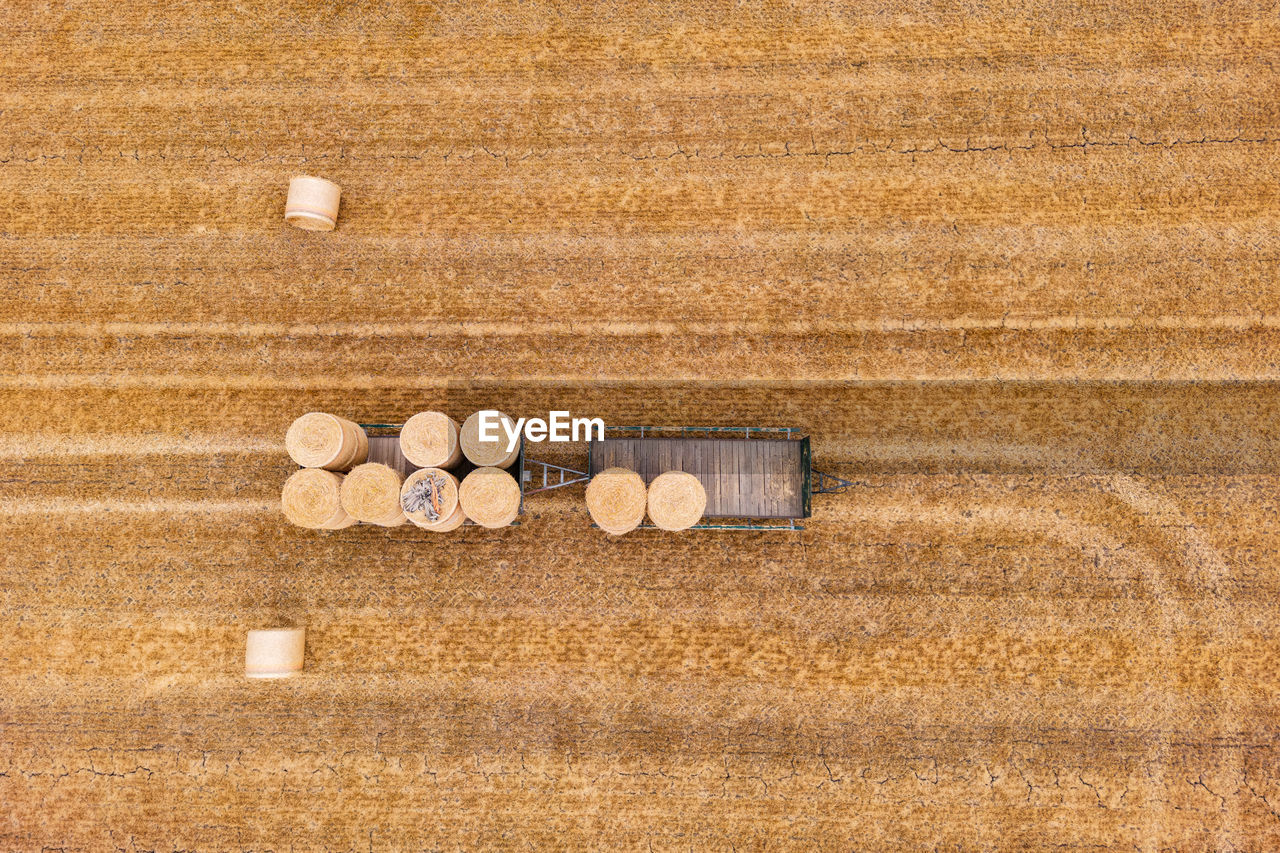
[[490, 497], [429, 497], [311, 498], [312, 203], [274, 652], [319, 440], [677, 500], [430, 440], [371, 492], [360, 449], [616, 500], [491, 454], [618, 531]]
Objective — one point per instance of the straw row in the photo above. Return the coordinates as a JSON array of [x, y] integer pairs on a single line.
[[430, 498]]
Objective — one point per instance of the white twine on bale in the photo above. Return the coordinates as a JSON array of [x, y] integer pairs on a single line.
[[429, 498], [423, 497]]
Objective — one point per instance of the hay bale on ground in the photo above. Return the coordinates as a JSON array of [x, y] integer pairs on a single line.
[[616, 500], [312, 203], [677, 500], [311, 498], [430, 440], [319, 440], [274, 652], [487, 453], [490, 497], [429, 498], [371, 493]]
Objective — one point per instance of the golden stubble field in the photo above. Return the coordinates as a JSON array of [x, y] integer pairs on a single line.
[[1013, 266]]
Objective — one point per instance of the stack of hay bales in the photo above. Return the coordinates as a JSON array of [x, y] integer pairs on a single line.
[[488, 454], [430, 440], [490, 497], [429, 499], [323, 445], [677, 500], [616, 500], [371, 493]]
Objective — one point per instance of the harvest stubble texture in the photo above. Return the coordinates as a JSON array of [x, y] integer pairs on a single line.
[[1043, 614]]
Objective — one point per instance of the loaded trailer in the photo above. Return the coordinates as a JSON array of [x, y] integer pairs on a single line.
[[756, 478]]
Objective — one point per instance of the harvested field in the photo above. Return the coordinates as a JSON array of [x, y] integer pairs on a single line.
[[1013, 266]]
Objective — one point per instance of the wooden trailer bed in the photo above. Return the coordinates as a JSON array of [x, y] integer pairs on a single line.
[[744, 477]]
